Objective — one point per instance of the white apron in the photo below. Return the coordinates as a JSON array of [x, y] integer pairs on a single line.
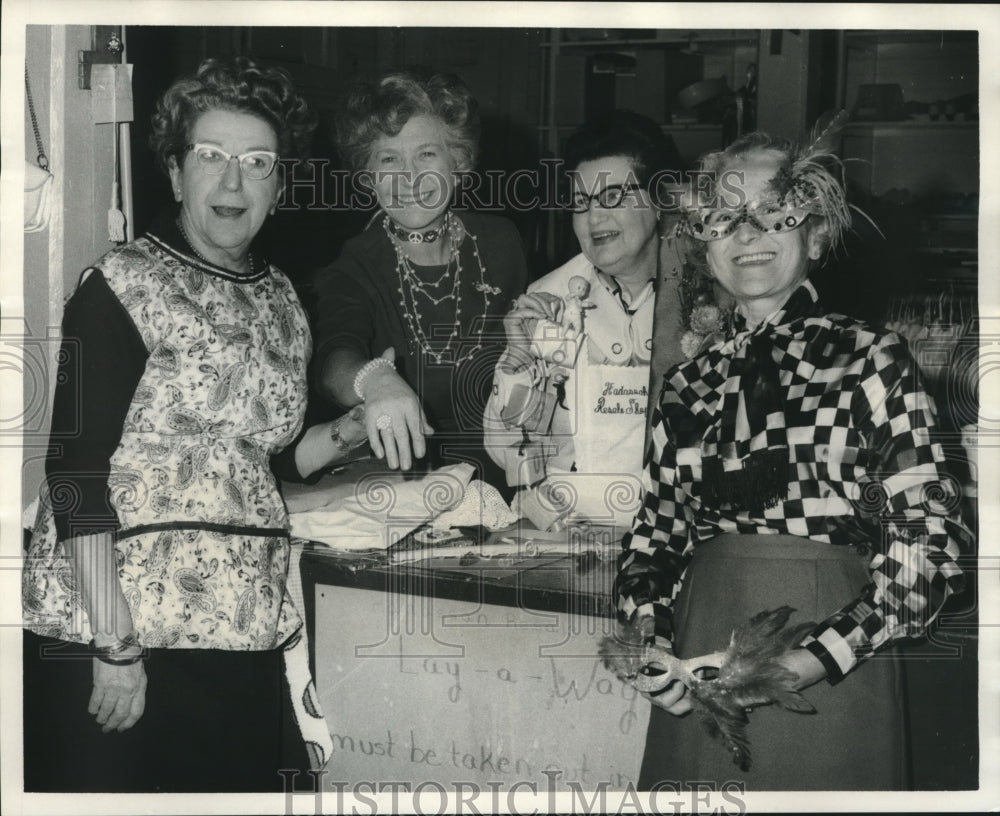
[[609, 418]]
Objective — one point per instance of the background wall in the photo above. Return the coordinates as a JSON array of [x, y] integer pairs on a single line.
[[500, 66], [40, 313], [534, 87], [80, 158]]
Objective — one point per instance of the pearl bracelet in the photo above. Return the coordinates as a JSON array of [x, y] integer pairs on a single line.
[[365, 370]]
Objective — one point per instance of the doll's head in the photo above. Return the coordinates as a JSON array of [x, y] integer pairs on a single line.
[[579, 287]]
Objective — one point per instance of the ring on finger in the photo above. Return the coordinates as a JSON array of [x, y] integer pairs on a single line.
[[383, 422]]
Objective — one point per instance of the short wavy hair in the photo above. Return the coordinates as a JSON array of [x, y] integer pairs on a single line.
[[623, 133], [382, 107], [239, 85]]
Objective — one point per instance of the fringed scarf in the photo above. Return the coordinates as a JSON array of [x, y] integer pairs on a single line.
[[750, 465]]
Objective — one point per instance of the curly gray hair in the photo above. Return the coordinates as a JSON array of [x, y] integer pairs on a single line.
[[239, 85], [383, 107]]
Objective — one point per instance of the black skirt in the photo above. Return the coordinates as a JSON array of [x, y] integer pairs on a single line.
[[214, 721], [856, 740]]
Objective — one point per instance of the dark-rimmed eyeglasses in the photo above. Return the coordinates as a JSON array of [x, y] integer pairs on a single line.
[[254, 164], [610, 197]]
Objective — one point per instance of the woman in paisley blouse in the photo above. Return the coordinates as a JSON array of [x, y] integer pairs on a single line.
[[792, 466], [162, 540]]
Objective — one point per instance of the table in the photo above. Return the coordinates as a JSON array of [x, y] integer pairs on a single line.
[[488, 673], [484, 673]]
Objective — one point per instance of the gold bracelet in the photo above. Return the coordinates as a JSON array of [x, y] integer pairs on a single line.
[[121, 660], [338, 441], [117, 647], [115, 653]]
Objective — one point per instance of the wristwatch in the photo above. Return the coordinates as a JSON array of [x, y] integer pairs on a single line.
[[357, 413]]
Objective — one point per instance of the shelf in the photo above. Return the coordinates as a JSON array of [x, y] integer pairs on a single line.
[[686, 37], [965, 256], [864, 37], [694, 126], [581, 78], [698, 43], [910, 124]]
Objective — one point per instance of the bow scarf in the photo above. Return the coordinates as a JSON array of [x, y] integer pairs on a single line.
[[745, 456]]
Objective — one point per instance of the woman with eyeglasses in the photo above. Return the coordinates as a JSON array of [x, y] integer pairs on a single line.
[[793, 467], [568, 413], [162, 540]]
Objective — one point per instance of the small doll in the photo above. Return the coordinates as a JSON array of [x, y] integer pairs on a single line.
[[575, 304]]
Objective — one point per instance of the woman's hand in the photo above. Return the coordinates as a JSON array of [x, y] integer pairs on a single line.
[[119, 696], [673, 699], [394, 417], [676, 698], [806, 665], [519, 322], [317, 448], [351, 427]]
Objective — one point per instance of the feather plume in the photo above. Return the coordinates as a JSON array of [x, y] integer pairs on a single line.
[[867, 218], [825, 132], [626, 653], [749, 673], [815, 179]]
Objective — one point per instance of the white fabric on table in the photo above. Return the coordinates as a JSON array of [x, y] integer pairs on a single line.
[[381, 508]]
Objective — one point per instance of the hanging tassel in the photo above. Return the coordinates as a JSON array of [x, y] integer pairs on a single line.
[[116, 218]]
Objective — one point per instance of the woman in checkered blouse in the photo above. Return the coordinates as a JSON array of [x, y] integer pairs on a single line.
[[791, 465]]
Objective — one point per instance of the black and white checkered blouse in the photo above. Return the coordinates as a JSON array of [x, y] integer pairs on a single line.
[[863, 472]]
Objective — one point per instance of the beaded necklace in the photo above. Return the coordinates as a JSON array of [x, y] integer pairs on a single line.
[[411, 285], [250, 260]]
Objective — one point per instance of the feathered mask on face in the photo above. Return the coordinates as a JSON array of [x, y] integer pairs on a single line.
[[723, 686], [806, 185]]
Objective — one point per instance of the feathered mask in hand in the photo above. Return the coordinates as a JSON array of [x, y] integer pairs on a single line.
[[722, 685]]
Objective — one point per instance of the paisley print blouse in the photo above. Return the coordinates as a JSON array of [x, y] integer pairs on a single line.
[[201, 531]]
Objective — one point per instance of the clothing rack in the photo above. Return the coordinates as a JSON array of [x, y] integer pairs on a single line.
[[937, 325]]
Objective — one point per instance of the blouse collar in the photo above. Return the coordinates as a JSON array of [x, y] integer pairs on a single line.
[[800, 303], [615, 288], [167, 234]]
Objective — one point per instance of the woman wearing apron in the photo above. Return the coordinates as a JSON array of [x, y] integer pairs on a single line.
[[567, 418]]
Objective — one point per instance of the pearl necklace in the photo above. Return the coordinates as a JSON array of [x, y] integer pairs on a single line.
[[413, 278], [410, 284], [250, 259]]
